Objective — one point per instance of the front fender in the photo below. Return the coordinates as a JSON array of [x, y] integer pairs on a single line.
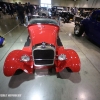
[[72, 60], [13, 63]]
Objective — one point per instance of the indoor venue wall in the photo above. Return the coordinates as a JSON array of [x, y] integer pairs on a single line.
[[88, 3], [37, 2], [77, 3], [11, 1], [67, 3], [97, 4]]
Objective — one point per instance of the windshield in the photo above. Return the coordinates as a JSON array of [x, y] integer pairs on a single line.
[[43, 21]]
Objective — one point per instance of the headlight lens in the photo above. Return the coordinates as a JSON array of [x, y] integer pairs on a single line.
[[25, 58], [62, 57]]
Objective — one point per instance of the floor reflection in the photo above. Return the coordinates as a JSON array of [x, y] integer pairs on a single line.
[[17, 80], [73, 77]]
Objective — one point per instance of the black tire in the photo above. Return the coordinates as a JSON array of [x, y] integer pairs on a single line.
[[78, 30], [69, 70], [18, 72], [50, 70]]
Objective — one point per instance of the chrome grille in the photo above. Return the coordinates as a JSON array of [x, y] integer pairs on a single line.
[[43, 56]]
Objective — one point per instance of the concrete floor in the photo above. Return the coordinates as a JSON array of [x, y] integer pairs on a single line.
[[84, 85]]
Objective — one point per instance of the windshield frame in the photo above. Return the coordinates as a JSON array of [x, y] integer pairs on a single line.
[[42, 21]]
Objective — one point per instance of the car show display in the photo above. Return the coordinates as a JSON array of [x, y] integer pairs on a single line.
[[61, 11], [42, 51], [67, 16]]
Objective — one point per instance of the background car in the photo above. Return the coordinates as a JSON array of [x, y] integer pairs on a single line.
[[90, 25], [66, 16]]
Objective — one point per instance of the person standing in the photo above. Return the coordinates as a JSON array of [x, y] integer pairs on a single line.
[[26, 8], [30, 7], [20, 12], [16, 6], [11, 10], [0, 12]]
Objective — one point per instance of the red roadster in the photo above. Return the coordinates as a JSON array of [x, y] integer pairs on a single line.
[[43, 51]]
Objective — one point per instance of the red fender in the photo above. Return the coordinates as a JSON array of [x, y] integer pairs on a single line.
[[72, 61], [13, 63]]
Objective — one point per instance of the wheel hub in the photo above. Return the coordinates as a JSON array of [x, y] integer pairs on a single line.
[[76, 29]]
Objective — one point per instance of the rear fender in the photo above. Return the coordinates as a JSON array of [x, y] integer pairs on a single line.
[[13, 63], [72, 60]]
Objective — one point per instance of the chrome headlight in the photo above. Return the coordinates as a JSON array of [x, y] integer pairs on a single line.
[[62, 57], [25, 58]]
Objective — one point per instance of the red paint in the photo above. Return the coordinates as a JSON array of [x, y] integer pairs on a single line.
[[72, 61], [38, 34], [43, 33], [13, 62]]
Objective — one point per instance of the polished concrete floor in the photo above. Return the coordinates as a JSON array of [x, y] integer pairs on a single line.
[[84, 85]]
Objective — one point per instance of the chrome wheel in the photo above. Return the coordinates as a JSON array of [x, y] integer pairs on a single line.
[[77, 28]]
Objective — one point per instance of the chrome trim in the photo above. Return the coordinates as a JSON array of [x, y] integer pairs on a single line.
[[43, 59], [77, 28], [43, 65], [47, 47], [25, 58], [40, 44]]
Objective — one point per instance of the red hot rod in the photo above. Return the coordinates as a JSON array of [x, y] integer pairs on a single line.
[[43, 50]]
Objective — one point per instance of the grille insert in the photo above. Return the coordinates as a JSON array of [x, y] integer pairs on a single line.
[[43, 56]]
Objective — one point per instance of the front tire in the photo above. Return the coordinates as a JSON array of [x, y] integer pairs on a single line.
[[78, 30]]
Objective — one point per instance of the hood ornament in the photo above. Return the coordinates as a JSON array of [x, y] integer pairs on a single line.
[[43, 45]]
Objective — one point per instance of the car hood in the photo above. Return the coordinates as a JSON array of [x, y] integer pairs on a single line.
[[43, 33]]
